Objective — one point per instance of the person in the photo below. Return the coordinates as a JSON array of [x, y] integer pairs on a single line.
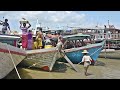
[[60, 46], [38, 41], [86, 60], [5, 26], [24, 34], [42, 36], [30, 40]]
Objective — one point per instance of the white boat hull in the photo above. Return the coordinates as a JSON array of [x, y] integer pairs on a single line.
[[6, 64]]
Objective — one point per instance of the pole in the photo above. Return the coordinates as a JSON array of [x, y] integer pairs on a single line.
[[105, 48]]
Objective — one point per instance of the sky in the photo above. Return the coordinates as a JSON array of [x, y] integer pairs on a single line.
[[61, 19]]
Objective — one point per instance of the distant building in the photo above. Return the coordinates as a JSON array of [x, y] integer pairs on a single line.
[[99, 33]]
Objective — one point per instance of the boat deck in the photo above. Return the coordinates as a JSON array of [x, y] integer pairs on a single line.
[[40, 51]]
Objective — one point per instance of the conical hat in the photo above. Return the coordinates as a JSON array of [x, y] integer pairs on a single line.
[[85, 51]]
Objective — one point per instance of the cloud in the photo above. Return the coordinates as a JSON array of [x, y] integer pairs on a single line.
[[50, 18]]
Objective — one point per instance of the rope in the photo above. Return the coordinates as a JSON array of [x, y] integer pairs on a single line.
[[94, 52], [13, 62]]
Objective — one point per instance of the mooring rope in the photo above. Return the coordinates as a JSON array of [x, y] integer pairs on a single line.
[[94, 52], [13, 63]]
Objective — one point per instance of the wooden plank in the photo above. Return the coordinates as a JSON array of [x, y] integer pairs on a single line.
[[53, 61], [71, 63]]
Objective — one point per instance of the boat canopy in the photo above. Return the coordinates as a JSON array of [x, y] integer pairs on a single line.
[[76, 36]]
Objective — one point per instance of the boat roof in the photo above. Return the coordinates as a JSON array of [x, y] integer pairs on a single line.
[[76, 36]]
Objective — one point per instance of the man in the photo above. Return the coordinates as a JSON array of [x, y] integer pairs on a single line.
[[5, 26]]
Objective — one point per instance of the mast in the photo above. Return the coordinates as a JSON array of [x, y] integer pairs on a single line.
[[37, 25]]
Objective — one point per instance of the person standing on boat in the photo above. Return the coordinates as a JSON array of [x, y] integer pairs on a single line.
[[43, 38], [5, 27], [86, 60], [30, 40], [24, 34], [60, 45], [38, 41]]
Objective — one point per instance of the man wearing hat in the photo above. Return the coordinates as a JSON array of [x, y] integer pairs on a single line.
[[87, 60]]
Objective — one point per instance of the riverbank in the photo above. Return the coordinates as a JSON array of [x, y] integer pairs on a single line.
[[110, 54], [103, 69]]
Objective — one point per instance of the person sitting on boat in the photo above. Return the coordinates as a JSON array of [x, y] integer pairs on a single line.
[[24, 34], [86, 60], [5, 27], [48, 43], [69, 45], [38, 41]]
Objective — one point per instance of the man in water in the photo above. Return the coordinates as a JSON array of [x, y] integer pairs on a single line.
[[5, 26]]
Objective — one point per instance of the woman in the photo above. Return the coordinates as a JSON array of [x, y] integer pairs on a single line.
[[30, 40], [38, 41], [24, 34], [87, 61]]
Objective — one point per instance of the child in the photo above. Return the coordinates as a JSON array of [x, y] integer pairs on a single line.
[[86, 60]]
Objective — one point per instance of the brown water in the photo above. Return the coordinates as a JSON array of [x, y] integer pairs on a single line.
[[103, 69]]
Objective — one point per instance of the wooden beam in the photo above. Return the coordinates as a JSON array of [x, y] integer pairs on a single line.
[[68, 60]]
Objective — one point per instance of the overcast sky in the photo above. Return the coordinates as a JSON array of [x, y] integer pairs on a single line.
[[55, 19]]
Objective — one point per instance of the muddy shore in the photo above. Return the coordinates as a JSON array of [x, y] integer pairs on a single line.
[[103, 69]]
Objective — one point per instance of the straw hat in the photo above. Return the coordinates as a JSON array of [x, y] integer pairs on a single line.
[[85, 51]]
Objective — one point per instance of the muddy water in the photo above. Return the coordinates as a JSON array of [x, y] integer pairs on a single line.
[[103, 69]]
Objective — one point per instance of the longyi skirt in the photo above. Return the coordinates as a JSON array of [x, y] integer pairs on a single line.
[[24, 41]]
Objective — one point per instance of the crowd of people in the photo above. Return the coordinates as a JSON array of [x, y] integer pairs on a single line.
[[28, 40], [39, 41]]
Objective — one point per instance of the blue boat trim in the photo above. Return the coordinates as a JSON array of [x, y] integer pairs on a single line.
[[75, 54]]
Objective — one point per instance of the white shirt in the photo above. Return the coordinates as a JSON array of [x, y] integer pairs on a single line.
[[86, 58]]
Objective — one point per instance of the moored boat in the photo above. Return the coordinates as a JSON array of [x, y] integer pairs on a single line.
[[9, 56], [40, 58], [10, 39], [46, 58], [75, 53]]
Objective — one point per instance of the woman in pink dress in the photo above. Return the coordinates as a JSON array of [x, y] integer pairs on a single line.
[[24, 34]]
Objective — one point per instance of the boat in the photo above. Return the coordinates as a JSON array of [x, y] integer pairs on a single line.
[[40, 58], [45, 59], [75, 53], [10, 39], [10, 56]]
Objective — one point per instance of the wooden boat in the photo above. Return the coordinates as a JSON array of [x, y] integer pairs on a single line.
[[8, 55], [10, 39], [40, 58], [75, 53], [46, 58]]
